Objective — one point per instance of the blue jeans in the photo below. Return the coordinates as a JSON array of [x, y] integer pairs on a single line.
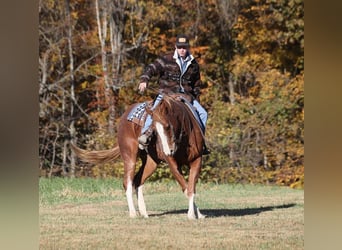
[[201, 112]]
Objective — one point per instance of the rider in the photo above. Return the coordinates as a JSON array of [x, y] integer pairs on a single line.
[[178, 73]]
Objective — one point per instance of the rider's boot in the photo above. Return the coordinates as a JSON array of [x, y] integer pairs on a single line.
[[205, 150], [145, 138]]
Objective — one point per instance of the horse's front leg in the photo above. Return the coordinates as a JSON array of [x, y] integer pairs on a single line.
[[144, 172], [141, 202], [188, 189], [175, 172], [194, 212], [195, 168]]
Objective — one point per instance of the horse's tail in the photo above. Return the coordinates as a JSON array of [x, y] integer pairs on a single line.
[[96, 156]]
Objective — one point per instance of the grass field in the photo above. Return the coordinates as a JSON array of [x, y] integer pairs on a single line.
[[93, 214]]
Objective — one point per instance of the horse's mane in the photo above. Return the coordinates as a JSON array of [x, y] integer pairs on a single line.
[[173, 105]]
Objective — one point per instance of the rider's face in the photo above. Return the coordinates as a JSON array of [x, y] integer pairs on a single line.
[[182, 50]]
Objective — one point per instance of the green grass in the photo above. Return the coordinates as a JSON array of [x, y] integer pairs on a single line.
[[92, 214], [80, 190]]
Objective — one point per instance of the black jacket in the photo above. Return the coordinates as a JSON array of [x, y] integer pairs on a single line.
[[171, 79]]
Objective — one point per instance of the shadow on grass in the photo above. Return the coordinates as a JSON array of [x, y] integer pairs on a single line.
[[213, 213]]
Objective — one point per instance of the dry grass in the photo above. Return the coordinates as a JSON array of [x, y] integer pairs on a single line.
[[238, 217]]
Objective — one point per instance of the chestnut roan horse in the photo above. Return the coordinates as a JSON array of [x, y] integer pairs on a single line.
[[177, 140]]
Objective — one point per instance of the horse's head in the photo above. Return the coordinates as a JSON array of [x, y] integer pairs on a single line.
[[166, 125]]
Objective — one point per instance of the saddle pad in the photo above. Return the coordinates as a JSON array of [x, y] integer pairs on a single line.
[[138, 114]]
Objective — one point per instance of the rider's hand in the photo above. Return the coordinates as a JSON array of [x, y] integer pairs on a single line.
[[142, 86]]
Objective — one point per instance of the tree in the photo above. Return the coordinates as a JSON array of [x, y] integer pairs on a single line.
[[72, 130]]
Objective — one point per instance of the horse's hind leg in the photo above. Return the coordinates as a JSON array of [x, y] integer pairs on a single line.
[[128, 185], [146, 170], [129, 169], [195, 167], [128, 143]]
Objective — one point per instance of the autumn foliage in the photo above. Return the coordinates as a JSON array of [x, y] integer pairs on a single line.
[[251, 55]]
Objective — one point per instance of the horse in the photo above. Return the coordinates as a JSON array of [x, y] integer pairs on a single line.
[[177, 139]]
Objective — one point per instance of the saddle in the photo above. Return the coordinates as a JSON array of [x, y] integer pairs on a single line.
[[138, 114]]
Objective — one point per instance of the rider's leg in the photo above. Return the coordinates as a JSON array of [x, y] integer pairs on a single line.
[[146, 131], [203, 114], [147, 124]]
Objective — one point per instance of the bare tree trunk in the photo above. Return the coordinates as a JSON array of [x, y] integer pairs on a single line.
[[116, 27], [231, 90], [102, 24], [228, 12], [52, 163], [72, 130], [43, 66], [198, 20], [65, 152]]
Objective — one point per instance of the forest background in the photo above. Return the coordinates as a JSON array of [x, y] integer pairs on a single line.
[[251, 54]]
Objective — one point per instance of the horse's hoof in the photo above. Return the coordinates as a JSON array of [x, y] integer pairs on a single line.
[[132, 215], [201, 216], [191, 216], [144, 215]]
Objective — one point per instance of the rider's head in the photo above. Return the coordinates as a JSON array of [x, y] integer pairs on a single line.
[[182, 44]]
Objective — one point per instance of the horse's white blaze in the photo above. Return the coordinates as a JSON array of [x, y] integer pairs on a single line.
[[129, 197], [141, 202], [163, 138]]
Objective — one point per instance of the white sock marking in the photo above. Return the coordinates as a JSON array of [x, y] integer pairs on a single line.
[[141, 202], [129, 197], [194, 212], [191, 211]]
